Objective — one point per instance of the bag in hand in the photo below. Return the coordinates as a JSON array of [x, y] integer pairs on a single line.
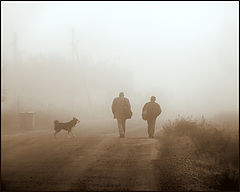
[[127, 113], [144, 115]]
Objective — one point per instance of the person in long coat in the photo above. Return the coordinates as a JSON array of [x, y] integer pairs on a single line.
[[150, 112], [121, 110]]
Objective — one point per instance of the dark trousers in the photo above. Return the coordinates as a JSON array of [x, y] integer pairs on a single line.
[[121, 126], [151, 126]]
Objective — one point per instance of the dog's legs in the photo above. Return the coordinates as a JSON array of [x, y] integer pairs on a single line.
[[69, 136], [70, 131], [72, 134], [55, 133]]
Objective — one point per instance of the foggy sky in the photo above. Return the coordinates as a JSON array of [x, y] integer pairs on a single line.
[[76, 57]]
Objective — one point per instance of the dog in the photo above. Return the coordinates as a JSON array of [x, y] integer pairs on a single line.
[[65, 126]]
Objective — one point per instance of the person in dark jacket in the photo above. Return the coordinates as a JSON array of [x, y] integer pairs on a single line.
[[150, 112], [121, 109]]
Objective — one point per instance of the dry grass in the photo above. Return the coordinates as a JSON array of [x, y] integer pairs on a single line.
[[213, 145]]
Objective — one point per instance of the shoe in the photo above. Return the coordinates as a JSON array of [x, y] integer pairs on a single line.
[[122, 136]]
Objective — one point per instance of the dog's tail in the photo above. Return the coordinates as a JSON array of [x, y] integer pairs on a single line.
[[55, 123]]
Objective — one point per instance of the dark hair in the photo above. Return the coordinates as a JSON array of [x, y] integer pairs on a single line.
[[121, 94], [153, 98]]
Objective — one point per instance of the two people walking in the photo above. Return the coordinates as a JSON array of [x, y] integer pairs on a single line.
[[121, 109]]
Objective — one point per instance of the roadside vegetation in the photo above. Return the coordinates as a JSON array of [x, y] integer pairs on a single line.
[[199, 155]]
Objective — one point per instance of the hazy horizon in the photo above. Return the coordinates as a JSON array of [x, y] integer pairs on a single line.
[[74, 58]]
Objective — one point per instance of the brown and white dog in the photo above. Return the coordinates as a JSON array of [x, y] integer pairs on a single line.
[[66, 126]]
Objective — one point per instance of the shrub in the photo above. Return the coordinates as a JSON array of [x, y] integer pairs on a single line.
[[218, 143]]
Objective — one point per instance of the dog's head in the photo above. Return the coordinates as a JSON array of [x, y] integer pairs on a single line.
[[76, 120]]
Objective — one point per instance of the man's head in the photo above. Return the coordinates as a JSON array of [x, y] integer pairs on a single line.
[[121, 94], [153, 99]]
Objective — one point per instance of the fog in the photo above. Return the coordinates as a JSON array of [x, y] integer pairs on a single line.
[[72, 59]]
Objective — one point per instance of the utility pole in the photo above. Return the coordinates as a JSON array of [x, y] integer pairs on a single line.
[[2, 75], [74, 71], [83, 75], [17, 63]]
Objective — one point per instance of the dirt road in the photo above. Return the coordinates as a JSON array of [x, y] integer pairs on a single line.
[[90, 161]]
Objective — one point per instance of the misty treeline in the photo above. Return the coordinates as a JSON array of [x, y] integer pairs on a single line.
[[56, 86]]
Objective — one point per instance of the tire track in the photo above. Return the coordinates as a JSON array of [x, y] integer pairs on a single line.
[[49, 165], [126, 165], [83, 163]]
